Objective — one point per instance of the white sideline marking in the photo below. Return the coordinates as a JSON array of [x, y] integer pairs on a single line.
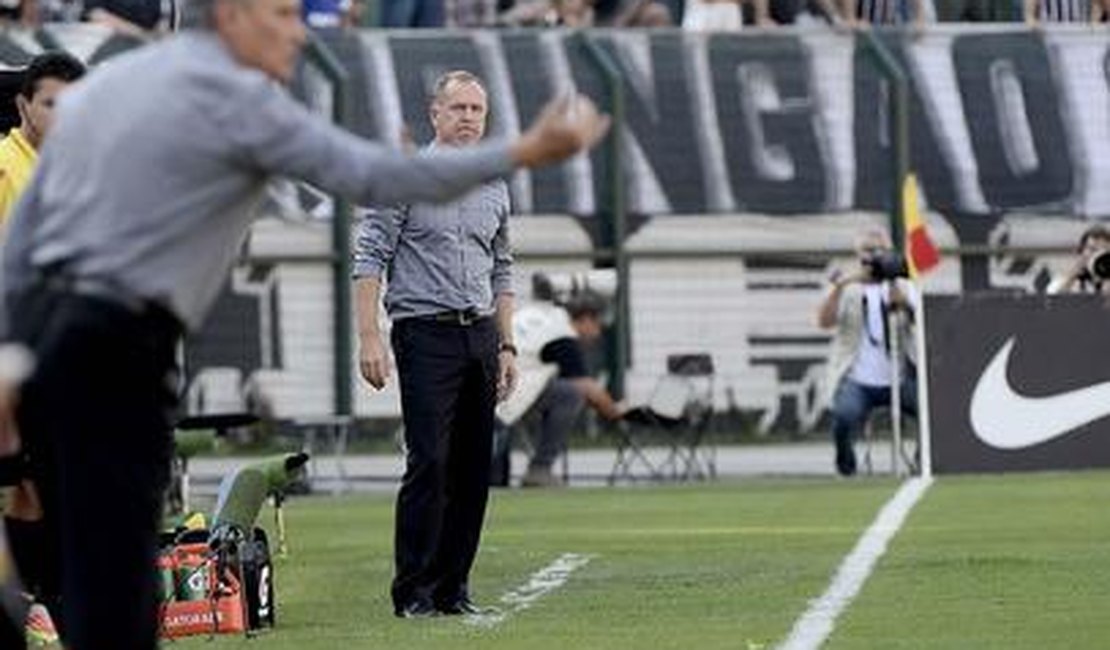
[[541, 583], [816, 624]]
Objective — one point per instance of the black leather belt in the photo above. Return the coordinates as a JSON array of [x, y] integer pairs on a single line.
[[465, 317], [113, 293]]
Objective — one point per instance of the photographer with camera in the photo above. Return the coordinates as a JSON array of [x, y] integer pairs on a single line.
[[1091, 269], [860, 366]]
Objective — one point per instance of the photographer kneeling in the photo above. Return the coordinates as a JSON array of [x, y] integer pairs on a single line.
[[1091, 270], [860, 367]]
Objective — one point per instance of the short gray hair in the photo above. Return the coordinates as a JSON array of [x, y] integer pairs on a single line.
[[453, 78]]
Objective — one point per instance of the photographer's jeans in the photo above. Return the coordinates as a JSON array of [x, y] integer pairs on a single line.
[[853, 403]]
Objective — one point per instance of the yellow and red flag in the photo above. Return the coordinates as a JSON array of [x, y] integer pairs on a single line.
[[921, 253]]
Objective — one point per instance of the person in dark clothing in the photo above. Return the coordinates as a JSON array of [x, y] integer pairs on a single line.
[[449, 270], [559, 335]]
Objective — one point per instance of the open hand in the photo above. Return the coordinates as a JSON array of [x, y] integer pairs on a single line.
[[373, 362], [566, 125], [506, 375]]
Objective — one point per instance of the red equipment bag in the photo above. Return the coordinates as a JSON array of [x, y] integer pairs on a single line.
[[207, 591]]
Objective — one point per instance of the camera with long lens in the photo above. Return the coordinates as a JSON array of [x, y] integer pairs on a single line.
[[1098, 267], [885, 265], [562, 288]]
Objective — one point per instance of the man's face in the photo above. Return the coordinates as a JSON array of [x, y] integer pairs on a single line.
[[264, 34], [38, 112], [869, 247], [459, 114], [588, 327], [1094, 245]]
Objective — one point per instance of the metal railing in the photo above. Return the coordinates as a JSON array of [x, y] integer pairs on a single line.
[[319, 55]]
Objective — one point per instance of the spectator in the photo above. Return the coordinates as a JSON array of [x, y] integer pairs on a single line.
[[1094, 242], [631, 13], [723, 15], [588, 13], [887, 12], [790, 12], [978, 11], [1062, 11], [45, 78], [470, 13], [136, 18], [549, 13], [860, 366], [19, 12], [550, 334], [327, 14], [412, 13]]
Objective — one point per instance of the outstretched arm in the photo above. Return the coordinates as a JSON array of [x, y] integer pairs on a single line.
[[279, 136]]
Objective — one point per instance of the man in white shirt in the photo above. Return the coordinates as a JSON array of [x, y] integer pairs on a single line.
[[860, 367]]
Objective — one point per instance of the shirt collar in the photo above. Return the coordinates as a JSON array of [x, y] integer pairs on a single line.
[[21, 143]]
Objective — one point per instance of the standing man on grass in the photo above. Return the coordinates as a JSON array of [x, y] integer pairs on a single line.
[[121, 242], [449, 269]]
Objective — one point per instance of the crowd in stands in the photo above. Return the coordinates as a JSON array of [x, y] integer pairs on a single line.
[[730, 15], [138, 18], [142, 18]]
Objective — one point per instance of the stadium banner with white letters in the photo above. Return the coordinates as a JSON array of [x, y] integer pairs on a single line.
[[783, 122], [1018, 382]]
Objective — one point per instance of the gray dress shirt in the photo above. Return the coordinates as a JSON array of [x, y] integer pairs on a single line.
[[439, 258], [155, 163]]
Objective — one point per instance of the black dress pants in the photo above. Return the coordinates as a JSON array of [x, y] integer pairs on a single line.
[[95, 420], [448, 380]]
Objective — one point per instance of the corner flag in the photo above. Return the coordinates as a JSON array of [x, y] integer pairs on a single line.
[[921, 254]]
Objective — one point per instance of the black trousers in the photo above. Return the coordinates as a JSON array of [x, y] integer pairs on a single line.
[[448, 380], [95, 420]]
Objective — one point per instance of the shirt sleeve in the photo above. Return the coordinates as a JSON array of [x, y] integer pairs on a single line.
[[566, 353], [376, 242], [18, 231], [277, 135], [502, 277]]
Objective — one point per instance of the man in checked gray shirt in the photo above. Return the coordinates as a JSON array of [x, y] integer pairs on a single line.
[[121, 241], [449, 271]]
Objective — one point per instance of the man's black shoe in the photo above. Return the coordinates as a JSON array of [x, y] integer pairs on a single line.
[[462, 607], [416, 609]]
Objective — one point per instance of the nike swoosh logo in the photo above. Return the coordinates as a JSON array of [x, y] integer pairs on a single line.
[[1004, 419]]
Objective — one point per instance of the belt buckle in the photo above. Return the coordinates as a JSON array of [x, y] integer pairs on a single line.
[[465, 318]]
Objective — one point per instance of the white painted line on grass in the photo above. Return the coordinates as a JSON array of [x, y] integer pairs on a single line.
[[816, 624], [539, 584]]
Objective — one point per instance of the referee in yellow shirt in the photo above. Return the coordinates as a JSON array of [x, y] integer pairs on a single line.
[[44, 78]]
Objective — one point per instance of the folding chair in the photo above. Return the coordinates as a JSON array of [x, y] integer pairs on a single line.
[[680, 408]]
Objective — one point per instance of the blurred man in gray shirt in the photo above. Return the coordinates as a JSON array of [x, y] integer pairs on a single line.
[[142, 197], [449, 271]]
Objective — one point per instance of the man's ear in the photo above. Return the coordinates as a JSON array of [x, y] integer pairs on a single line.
[[23, 106]]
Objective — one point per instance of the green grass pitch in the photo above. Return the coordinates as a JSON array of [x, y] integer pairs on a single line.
[[1019, 561]]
